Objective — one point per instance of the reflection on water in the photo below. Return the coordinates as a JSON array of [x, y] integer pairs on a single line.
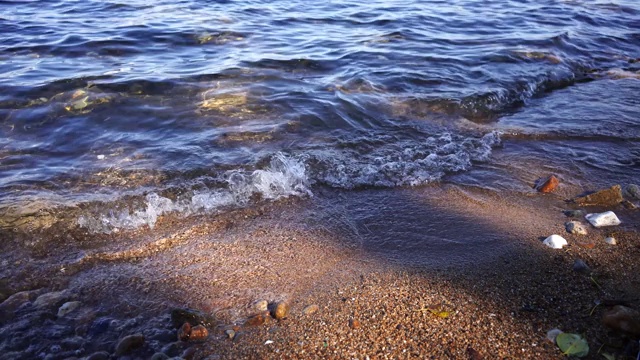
[[105, 101]]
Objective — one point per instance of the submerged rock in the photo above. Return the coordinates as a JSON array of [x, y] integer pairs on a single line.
[[11, 304], [68, 307], [51, 299], [555, 242], [606, 197], [607, 218], [629, 205], [623, 319], [632, 191], [546, 185], [575, 227], [193, 317], [129, 343]]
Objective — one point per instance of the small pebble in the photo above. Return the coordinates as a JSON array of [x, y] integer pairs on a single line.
[[633, 191], [280, 310], [261, 305], [311, 309], [230, 333], [581, 267], [611, 241], [354, 324], [68, 307], [575, 227], [607, 218], [553, 334]]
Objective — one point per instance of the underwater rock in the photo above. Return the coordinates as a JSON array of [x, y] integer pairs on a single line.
[[129, 343], [632, 191], [555, 242], [607, 218]]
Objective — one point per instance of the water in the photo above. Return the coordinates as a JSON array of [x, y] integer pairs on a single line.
[[126, 112]]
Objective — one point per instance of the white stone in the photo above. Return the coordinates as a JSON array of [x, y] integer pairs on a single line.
[[101, 157], [68, 307], [607, 218], [555, 242], [611, 241]]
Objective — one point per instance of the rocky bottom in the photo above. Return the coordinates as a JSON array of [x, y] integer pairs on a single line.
[[302, 279]]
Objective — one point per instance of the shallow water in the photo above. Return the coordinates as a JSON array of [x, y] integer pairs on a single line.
[[124, 112]]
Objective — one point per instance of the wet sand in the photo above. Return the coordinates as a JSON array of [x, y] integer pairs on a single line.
[[482, 285]]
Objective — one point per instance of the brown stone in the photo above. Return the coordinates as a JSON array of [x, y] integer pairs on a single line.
[[606, 197], [623, 319], [311, 309], [354, 324], [473, 354], [184, 332], [280, 310], [547, 185], [258, 319], [199, 333]]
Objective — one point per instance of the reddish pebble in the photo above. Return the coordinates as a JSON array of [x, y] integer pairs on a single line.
[[547, 185], [198, 333], [354, 324], [184, 332]]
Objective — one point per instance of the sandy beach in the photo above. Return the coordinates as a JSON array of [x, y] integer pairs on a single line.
[[494, 296]]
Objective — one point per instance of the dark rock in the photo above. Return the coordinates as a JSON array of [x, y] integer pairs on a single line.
[[606, 197], [100, 355], [629, 205], [73, 343], [160, 356], [581, 267], [174, 348], [99, 326], [632, 191], [623, 319], [10, 305], [546, 185], [193, 317], [574, 213], [184, 332], [189, 353], [163, 336], [52, 299], [129, 343]]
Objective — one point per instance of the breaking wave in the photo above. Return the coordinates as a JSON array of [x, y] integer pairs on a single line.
[[358, 164]]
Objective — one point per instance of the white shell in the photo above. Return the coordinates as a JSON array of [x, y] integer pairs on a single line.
[[607, 218], [555, 242]]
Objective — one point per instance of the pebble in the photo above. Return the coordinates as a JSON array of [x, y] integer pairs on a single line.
[[623, 319], [129, 343], [258, 319], [555, 242], [547, 185], [188, 354], [280, 310], [160, 356], [575, 227], [311, 309], [193, 317], [607, 218], [633, 191], [580, 266], [230, 333], [611, 241], [68, 307], [199, 333], [553, 334], [606, 197], [51, 299], [184, 332], [573, 213], [261, 305], [100, 355], [354, 324]]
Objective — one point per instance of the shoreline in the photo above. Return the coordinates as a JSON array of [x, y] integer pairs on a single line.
[[499, 302]]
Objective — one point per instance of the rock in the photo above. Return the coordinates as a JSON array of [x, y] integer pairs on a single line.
[[174, 348], [258, 319], [629, 205], [573, 213], [547, 185], [68, 307], [129, 343], [354, 324], [73, 343], [623, 319], [52, 299], [311, 309], [632, 191], [184, 332], [607, 197], [10, 305], [575, 227], [581, 267], [189, 353], [160, 356], [199, 333], [261, 305], [555, 242], [99, 326], [230, 333], [193, 317], [611, 240], [100, 355], [607, 218], [553, 334], [280, 310]]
